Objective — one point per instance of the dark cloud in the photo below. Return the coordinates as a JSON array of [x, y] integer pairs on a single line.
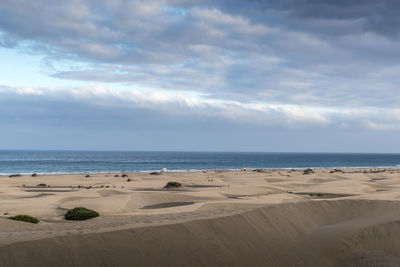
[[329, 17], [307, 54]]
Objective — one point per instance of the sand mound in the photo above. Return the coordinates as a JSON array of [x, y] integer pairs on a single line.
[[107, 193], [314, 233]]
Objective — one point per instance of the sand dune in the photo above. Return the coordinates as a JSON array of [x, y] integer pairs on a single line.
[[318, 233], [216, 219]]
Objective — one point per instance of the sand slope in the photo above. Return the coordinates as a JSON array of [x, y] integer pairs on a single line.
[[314, 233]]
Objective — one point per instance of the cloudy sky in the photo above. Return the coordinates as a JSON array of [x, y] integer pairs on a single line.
[[239, 75]]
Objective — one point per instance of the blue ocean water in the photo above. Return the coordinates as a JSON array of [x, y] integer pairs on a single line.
[[46, 162]]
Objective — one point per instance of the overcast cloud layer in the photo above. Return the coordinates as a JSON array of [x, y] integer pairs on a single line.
[[285, 72]]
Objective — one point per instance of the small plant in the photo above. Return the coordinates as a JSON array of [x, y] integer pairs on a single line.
[[34, 175], [116, 175], [80, 214], [308, 171], [41, 185], [24, 218], [14, 175], [87, 176], [316, 195], [129, 179], [124, 175], [173, 185]]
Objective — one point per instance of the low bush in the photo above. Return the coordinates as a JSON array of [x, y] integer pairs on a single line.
[[173, 185], [308, 171], [80, 214], [24, 218]]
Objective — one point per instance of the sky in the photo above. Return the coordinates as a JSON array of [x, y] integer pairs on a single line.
[[200, 75]]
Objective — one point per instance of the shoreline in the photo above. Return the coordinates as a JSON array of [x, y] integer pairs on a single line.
[[248, 169]]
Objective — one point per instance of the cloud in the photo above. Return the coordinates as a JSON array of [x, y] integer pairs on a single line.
[[104, 118], [379, 17], [244, 51], [265, 64], [42, 102], [102, 104]]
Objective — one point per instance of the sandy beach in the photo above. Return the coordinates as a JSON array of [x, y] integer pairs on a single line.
[[348, 217]]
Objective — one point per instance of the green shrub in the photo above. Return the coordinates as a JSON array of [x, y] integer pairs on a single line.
[[79, 214], [24, 218]]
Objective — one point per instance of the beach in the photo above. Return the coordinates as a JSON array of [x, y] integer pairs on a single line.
[[319, 217]]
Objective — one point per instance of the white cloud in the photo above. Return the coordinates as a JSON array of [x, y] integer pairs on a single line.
[[181, 105]]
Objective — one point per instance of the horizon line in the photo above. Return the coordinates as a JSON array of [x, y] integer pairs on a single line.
[[190, 151]]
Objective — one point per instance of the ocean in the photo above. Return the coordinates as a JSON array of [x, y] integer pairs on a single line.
[[64, 162]]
